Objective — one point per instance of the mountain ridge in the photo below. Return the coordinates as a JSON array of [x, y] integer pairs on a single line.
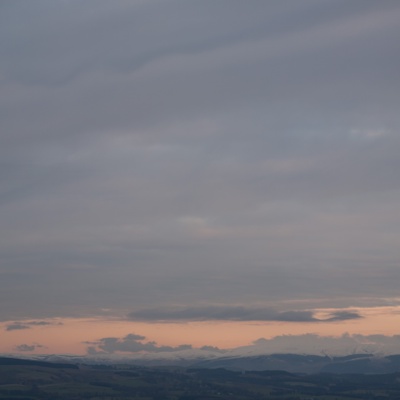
[[293, 363]]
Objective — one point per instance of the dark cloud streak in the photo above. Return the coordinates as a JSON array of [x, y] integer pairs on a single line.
[[16, 327], [232, 313], [29, 324]]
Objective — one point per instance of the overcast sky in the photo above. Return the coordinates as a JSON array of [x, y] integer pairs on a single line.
[[199, 159]]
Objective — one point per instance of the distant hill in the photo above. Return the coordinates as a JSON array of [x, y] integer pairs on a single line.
[[293, 363], [354, 364], [23, 361], [35, 380]]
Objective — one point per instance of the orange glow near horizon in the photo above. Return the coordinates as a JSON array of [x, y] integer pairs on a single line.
[[68, 335]]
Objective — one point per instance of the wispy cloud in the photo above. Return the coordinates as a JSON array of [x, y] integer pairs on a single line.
[[235, 313], [343, 316], [28, 347], [29, 324], [16, 327]]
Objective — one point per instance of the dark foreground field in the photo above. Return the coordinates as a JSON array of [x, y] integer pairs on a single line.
[[62, 381]]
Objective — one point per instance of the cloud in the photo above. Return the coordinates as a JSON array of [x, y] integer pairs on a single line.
[[42, 323], [343, 316], [27, 347], [212, 348], [28, 324], [235, 313], [315, 344], [16, 327], [238, 153], [131, 343], [309, 343]]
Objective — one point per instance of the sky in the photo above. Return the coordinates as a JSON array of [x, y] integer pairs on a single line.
[[198, 173]]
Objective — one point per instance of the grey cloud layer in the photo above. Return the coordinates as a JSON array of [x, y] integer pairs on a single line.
[[175, 152], [232, 313]]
